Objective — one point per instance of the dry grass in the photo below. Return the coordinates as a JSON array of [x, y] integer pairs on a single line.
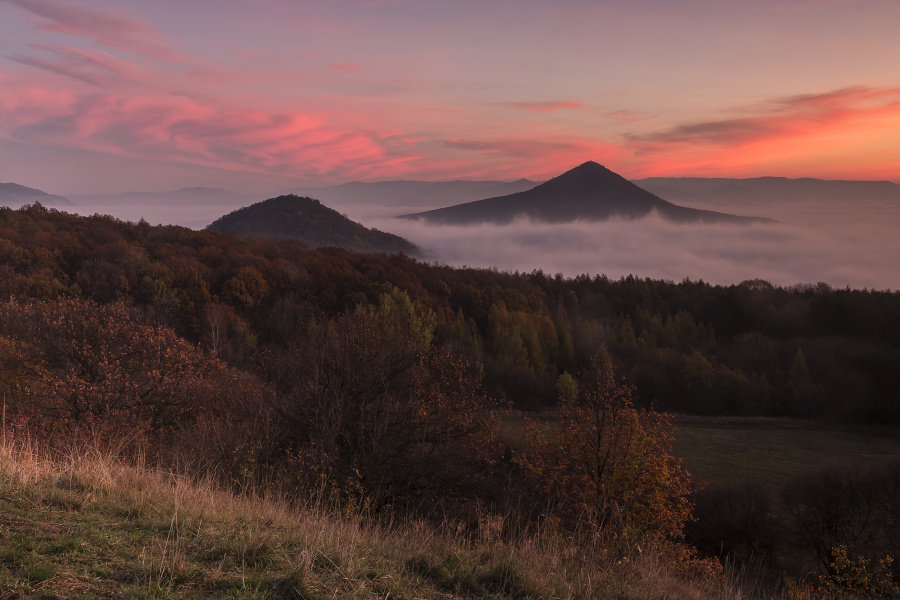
[[88, 524]]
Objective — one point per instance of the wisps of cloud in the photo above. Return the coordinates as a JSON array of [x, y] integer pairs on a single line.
[[113, 31], [792, 116], [526, 148], [848, 133], [544, 107], [532, 155], [173, 128], [94, 67]]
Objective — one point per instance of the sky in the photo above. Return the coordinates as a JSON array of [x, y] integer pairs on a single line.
[[103, 96]]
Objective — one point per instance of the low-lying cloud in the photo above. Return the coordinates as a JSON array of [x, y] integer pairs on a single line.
[[785, 254]]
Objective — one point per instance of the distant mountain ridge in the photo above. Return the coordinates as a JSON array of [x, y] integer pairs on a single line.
[[588, 192], [715, 191], [193, 195], [14, 195], [310, 221], [388, 198]]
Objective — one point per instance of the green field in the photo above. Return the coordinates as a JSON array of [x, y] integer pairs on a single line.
[[771, 451]]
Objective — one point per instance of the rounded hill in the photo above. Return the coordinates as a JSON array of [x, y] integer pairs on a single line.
[[310, 221]]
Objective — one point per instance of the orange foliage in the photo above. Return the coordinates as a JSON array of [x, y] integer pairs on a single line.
[[611, 465]]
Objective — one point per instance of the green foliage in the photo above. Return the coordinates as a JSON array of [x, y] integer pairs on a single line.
[[523, 330], [567, 387]]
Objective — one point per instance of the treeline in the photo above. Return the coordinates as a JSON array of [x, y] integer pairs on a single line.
[[807, 351], [365, 411]]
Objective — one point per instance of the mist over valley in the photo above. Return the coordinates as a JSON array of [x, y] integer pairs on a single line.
[[837, 232]]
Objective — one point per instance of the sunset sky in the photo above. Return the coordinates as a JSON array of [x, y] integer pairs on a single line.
[[103, 96]]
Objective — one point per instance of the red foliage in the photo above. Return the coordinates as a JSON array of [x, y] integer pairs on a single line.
[[71, 362]]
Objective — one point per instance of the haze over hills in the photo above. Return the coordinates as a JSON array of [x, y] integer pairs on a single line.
[[762, 191], [839, 232], [14, 195], [194, 195], [388, 198], [308, 220], [589, 192], [191, 207]]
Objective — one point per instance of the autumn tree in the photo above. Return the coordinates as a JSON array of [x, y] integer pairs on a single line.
[[609, 464], [72, 361], [374, 415]]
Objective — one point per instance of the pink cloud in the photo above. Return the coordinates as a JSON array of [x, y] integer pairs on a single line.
[[180, 129], [113, 31], [844, 133], [544, 107], [782, 117], [536, 156], [345, 67], [322, 145], [95, 68], [625, 116]]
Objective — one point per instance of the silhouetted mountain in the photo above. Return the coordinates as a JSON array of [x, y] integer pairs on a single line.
[[14, 195], [761, 191], [588, 192], [311, 222]]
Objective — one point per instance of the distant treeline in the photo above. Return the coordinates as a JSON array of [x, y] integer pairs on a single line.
[[806, 351]]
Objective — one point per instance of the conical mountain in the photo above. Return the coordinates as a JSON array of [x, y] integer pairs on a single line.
[[589, 192], [310, 221]]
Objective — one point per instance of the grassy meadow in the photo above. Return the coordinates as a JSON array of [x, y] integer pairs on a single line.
[[766, 451], [86, 524], [770, 452]]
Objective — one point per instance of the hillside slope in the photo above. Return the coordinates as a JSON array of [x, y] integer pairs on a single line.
[[14, 195], [308, 220], [89, 525]]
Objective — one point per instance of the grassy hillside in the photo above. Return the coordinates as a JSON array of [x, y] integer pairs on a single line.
[[88, 525]]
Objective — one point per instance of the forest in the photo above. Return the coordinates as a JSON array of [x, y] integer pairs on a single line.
[[382, 381]]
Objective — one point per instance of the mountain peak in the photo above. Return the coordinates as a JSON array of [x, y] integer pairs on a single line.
[[589, 173], [589, 192]]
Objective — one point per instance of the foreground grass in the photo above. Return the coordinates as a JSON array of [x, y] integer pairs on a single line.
[[87, 525]]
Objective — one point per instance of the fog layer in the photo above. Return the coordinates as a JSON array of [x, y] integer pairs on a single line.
[[839, 239], [839, 248]]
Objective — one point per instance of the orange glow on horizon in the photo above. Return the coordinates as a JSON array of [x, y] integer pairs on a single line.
[[848, 135]]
